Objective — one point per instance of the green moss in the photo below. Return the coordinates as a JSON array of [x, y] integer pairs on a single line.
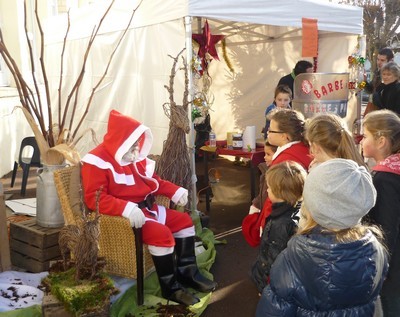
[[80, 297]]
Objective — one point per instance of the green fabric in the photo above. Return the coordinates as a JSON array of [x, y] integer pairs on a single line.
[[33, 311], [127, 304]]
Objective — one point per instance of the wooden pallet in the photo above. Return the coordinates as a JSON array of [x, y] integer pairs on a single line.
[[33, 247]]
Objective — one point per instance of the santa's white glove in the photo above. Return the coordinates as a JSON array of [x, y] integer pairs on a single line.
[[184, 199], [136, 217], [253, 210]]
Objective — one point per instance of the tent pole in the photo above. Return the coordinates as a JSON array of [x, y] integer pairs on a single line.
[[188, 46]]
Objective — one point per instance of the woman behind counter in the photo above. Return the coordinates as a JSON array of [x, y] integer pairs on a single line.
[[387, 95]]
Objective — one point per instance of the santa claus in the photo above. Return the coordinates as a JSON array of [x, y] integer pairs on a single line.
[[119, 165]]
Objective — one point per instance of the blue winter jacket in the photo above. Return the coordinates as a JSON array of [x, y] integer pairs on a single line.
[[317, 276]]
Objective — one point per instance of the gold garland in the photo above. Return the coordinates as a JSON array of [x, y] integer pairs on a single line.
[[226, 58]]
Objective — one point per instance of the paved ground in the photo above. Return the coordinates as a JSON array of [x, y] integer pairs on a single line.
[[236, 296]]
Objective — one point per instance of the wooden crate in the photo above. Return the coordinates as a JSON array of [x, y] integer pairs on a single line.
[[33, 247]]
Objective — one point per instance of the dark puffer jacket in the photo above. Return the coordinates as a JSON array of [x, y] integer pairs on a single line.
[[388, 97], [316, 276], [280, 226]]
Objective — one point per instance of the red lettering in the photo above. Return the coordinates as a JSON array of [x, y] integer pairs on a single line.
[[336, 85], [330, 87], [324, 91], [316, 93]]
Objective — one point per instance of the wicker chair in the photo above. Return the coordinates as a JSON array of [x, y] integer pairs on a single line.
[[117, 239]]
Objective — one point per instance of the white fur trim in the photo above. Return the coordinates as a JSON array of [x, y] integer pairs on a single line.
[[144, 150], [178, 194], [184, 233], [162, 214], [100, 163], [160, 251], [128, 209], [150, 178], [150, 167]]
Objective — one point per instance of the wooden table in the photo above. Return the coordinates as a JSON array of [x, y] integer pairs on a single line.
[[256, 157]]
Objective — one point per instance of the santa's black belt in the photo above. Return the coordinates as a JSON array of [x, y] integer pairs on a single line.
[[148, 202]]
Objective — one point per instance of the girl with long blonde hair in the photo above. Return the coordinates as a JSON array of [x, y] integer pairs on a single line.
[[329, 138]]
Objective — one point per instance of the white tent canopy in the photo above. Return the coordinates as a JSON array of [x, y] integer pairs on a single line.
[[331, 17], [263, 39]]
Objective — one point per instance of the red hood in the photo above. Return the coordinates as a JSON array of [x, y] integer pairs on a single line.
[[122, 133], [391, 164]]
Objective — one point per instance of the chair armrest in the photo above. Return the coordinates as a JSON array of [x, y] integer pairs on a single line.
[[163, 201]]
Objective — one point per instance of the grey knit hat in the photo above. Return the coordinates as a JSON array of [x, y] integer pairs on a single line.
[[338, 193]]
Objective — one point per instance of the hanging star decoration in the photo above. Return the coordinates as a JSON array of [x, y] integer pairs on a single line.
[[206, 43]]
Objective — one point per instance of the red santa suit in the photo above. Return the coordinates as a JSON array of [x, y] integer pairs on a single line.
[[126, 184]]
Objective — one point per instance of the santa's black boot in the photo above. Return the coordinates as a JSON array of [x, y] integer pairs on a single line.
[[170, 288], [188, 272]]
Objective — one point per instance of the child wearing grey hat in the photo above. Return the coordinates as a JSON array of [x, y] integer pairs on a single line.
[[334, 265], [339, 193]]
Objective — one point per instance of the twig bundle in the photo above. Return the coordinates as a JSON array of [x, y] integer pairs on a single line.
[[174, 162], [64, 131]]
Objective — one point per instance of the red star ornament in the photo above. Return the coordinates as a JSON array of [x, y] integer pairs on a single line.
[[207, 43]]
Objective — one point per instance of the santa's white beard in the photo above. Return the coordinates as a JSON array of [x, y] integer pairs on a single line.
[[131, 156]]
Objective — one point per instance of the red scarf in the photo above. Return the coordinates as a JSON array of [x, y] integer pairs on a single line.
[[391, 164]]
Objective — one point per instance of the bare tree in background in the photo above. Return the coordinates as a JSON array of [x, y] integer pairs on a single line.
[[381, 24]]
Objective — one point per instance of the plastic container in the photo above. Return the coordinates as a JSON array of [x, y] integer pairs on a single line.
[[212, 139]]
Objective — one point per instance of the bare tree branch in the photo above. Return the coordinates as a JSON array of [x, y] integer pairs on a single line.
[[32, 60], [31, 101], [62, 71], [102, 77]]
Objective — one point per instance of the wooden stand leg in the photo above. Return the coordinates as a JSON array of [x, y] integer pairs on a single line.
[[207, 181], [5, 262], [139, 265]]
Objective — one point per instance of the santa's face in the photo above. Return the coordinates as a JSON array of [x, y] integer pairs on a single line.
[[132, 154]]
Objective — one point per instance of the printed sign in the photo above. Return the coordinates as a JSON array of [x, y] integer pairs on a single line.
[[321, 92]]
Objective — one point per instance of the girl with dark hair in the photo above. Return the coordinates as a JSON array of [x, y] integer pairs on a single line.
[[286, 131], [382, 143]]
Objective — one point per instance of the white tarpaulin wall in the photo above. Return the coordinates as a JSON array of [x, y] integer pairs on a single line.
[[135, 81]]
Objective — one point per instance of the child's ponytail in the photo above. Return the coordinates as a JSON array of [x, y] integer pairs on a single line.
[[329, 132]]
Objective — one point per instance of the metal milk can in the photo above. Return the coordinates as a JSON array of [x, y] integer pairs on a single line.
[[48, 208]]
